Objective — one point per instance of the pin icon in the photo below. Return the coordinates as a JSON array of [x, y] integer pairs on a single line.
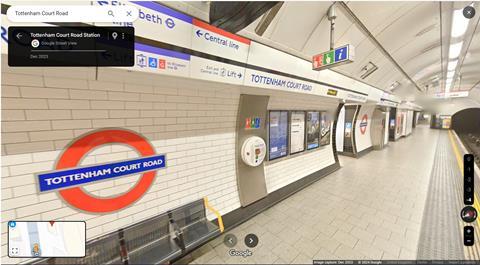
[[51, 222], [114, 35]]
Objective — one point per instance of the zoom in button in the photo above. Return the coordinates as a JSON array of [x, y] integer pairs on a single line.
[[468, 236]]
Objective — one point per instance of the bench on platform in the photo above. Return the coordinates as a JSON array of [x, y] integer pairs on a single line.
[[157, 240]]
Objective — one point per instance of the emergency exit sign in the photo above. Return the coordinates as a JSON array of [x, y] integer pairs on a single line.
[[338, 56]]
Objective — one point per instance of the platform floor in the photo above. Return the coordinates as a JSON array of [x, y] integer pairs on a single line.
[[372, 208]]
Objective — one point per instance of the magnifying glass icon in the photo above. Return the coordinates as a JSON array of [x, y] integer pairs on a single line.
[[110, 13]]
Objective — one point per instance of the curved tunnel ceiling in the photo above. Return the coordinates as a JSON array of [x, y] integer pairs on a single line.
[[415, 34]]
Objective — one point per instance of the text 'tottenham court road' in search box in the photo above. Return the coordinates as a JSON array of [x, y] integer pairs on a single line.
[[71, 46]]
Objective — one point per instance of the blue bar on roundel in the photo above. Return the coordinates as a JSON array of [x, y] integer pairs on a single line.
[[72, 177]]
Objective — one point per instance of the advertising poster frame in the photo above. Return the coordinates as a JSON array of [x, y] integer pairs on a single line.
[[325, 128], [316, 131], [284, 140], [445, 121], [291, 130]]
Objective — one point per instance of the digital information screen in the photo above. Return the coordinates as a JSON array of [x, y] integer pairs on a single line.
[[324, 129], [278, 134], [41, 239], [313, 129], [297, 132], [71, 46]]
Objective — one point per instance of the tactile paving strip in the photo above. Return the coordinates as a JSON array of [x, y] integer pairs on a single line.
[[441, 235]]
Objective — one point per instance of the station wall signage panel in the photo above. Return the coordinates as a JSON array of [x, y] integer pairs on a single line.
[[457, 94], [216, 71], [387, 103], [355, 97], [157, 60], [212, 40], [341, 55], [273, 81]]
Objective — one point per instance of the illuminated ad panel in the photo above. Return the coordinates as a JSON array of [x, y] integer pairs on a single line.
[[297, 132], [278, 133], [313, 129]]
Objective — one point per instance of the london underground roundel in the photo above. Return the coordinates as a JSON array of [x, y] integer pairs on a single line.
[[68, 176], [364, 124]]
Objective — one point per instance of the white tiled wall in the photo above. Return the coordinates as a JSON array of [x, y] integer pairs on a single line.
[[284, 172], [192, 122]]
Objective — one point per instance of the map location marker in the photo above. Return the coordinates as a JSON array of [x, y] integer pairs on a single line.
[[51, 222]]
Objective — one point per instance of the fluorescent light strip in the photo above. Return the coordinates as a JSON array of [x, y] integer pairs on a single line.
[[459, 24], [452, 65], [459, 27], [455, 50]]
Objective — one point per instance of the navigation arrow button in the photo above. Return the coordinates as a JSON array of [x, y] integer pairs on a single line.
[[251, 240], [230, 240]]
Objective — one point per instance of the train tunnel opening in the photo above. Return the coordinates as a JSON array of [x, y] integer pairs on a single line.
[[467, 121]]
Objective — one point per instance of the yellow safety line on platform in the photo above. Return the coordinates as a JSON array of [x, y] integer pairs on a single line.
[[460, 166], [219, 217]]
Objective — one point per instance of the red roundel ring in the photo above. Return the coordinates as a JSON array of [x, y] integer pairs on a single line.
[[363, 124], [72, 156]]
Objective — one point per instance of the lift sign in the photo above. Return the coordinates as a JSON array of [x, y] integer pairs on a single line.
[[68, 177]]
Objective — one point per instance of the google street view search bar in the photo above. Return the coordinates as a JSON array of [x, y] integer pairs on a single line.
[[30, 13]]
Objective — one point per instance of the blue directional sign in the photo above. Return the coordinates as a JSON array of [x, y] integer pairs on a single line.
[[341, 54]]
